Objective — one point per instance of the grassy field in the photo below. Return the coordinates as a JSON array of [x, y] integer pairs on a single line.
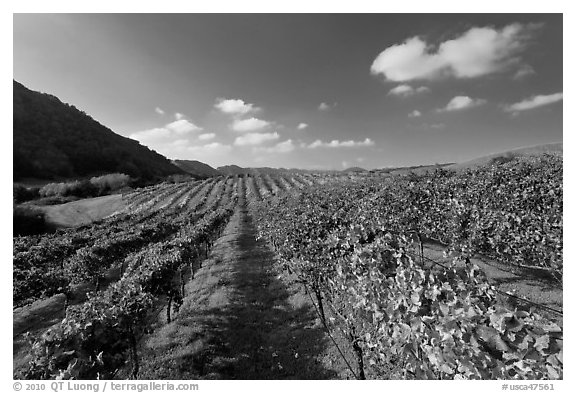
[[83, 211]]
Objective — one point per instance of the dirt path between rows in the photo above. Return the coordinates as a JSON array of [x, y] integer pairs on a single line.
[[242, 318]]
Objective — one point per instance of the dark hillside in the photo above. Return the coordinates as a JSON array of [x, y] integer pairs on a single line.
[[197, 168], [54, 140]]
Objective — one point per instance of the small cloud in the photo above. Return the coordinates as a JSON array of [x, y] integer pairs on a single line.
[[251, 124], [182, 126], [326, 107], [477, 52], [302, 126], [159, 111], [438, 126], [407, 90], [415, 113], [345, 164], [210, 152], [462, 102], [152, 135], [534, 102], [524, 72], [336, 143], [178, 116], [207, 136], [253, 138], [161, 135], [282, 147], [235, 106]]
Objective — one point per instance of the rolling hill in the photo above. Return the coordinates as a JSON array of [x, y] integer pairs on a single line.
[[197, 168], [238, 170], [551, 148], [354, 169], [54, 140], [233, 170]]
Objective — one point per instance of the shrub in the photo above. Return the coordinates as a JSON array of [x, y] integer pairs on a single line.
[[76, 188], [111, 182], [23, 194], [28, 221], [96, 186]]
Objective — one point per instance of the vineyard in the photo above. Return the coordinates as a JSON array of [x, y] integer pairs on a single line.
[[356, 245]]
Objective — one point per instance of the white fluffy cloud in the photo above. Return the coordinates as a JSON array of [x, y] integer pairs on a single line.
[[415, 113], [407, 90], [166, 134], [254, 138], [336, 143], [159, 111], [479, 51], [534, 102], [154, 134], [209, 151], [462, 102], [178, 116], [251, 124], [182, 126], [302, 126], [282, 147], [174, 141], [207, 136], [235, 106]]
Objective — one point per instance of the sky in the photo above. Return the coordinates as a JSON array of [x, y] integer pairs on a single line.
[[314, 91]]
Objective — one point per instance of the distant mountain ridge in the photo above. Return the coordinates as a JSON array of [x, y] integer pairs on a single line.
[[549, 148], [238, 170], [197, 168], [54, 140], [355, 169]]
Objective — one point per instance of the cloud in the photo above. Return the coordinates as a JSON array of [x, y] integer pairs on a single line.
[[282, 147], [479, 51], [415, 113], [152, 135], [438, 126], [251, 124], [159, 111], [534, 102], [165, 134], [214, 153], [210, 148], [336, 143], [207, 136], [254, 138], [235, 106], [182, 126], [462, 102], [173, 140], [407, 90], [524, 72], [326, 107], [302, 126], [178, 116]]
